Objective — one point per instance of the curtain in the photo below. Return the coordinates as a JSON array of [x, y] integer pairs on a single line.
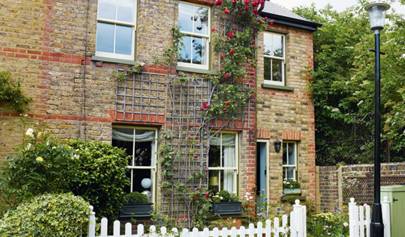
[[128, 135], [229, 162]]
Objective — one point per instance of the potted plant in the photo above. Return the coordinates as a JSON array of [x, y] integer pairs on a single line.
[[136, 205], [291, 187], [225, 203]]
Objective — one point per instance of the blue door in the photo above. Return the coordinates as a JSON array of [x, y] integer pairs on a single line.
[[261, 175]]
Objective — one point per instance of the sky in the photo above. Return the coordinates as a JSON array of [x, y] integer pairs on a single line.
[[337, 4]]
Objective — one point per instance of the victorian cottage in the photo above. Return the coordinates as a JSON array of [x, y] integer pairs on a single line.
[[73, 57]]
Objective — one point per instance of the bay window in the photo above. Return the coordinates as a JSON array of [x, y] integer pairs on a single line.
[[223, 163], [274, 59], [194, 24], [115, 36], [290, 161], [141, 145]]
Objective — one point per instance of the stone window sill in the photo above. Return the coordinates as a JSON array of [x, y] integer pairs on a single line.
[[194, 70], [112, 60], [281, 88]]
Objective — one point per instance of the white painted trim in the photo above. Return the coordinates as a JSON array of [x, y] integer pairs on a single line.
[[283, 81], [207, 37]]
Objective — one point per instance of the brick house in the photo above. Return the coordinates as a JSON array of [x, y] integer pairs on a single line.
[[66, 52]]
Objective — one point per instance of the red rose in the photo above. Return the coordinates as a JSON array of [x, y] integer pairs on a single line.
[[247, 2], [234, 1], [255, 3], [218, 2], [227, 75], [226, 10], [255, 12], [205, 106], [230, 34], [213, 29], [231, 52], [206, 195]]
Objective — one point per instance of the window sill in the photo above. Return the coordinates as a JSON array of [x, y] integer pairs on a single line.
[[112, 60], [195, 70], [275, 87]]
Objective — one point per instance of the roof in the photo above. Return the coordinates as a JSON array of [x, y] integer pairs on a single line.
[[284, 16]]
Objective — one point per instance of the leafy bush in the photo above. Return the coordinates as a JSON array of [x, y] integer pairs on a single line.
[[94, 170], [101, 177], [291, 184], [136, 198], [11, 94], [224, 196], [55, 215], [41, 165], [328, 225]]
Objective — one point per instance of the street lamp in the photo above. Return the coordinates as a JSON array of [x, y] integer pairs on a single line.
[[376, 13]]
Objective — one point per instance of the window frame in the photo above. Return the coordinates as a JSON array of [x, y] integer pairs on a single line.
[[119, 23], [295, 166], [154, 159], [235, 169], [283, 60], [202, 36]]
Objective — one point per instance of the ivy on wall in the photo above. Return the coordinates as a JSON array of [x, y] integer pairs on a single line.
[[11, 94]]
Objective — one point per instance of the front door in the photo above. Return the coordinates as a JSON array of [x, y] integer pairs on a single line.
[[261, 176]]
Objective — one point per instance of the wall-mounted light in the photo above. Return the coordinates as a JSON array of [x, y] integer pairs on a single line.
[[277, 146]]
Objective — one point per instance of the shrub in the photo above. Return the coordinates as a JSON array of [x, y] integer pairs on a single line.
[[101, 176], [41, 165], [136, 198], [94, 170], [328, 225], [11, 94], [55, 215]]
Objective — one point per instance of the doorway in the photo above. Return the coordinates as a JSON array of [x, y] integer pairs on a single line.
[[261, 176]]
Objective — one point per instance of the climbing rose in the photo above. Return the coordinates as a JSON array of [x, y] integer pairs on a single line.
[[234, 1], [218, 2], [213, 29], [226, 10], [205, 106], [227, 75], [231, 52], [230, 34]]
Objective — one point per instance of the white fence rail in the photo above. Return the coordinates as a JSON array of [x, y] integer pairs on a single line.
[[360, 218], [275, 228]]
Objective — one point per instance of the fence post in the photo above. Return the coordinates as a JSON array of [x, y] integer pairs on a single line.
[[298, 219], [386, 214], [353, 219], [92, 223]]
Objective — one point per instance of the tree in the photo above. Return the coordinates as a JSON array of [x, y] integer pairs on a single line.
[[343, 87]]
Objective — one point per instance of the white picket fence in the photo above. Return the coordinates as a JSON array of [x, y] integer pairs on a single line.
[[360, 218], [297, 228]]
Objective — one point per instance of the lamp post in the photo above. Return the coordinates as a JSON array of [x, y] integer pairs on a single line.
[[377, 19]]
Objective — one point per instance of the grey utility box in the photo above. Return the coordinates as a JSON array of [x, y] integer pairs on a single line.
[[396, 198]]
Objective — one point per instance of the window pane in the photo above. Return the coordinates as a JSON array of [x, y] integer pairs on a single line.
[[201, 20], [193, 19], [106, 9], [214, 156], [126, 10], [105, 37], [277, 70], [199, 50], [291, 154], [267, 68], [227, 181], [289, 173], [142, 181], [278, 45], [186, 17], [143, 150], [123, 43], [284, 153], [273, 45], [213, 180], [123, 138], [228, 150], [185, 50]]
